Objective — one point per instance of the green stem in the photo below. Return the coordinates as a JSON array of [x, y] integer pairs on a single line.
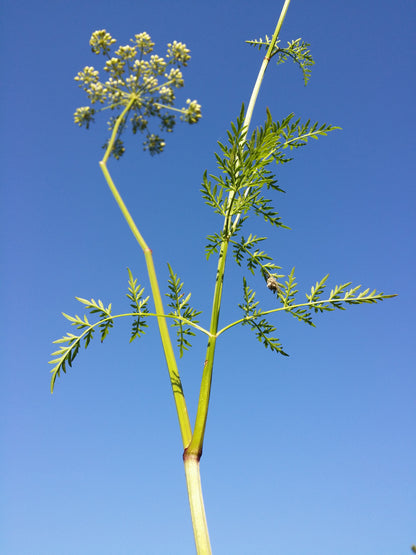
[[264, 65], [259, 80], [181, 409], [196, 445]]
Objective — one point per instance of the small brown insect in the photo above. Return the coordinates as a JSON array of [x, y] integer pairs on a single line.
[[273, 285]]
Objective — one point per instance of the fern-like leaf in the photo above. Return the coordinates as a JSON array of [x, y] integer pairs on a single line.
[[243, 249], [340, 296], [70, 343], [263, 43], [297, 50], [180, 307], [262, 328], [287, 295], [138, 305], [213, 245], [97, 307]]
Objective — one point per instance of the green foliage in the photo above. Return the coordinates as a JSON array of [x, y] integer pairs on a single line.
[[339, 296], [244, 173], [148, 83], [180, 307], [243, 249], [297, 50], [214, 243], [288, 295], [253, 317], [138, 305], [70, 343], [244, 166], [104, 313], [296, 134], [237, 191], [264, 43]]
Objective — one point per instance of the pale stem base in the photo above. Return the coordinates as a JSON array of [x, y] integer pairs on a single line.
[[196, 502]]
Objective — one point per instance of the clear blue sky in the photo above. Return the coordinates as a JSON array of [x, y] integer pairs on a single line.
[[312, 454]]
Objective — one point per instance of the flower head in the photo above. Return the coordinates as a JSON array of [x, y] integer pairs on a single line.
[[101, 42], [144, 85], [178, 52], [88, 75], [192, 114], [144, 43], [175, 77], [84, 116], [126, 52], [154, 144]]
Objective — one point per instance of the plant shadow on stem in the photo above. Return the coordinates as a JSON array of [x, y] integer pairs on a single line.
[[176, 384]]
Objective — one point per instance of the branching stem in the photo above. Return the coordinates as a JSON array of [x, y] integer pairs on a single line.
[[192, 442], [195, 448]]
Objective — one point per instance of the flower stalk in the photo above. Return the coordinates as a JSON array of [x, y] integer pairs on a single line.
[[181, 409]]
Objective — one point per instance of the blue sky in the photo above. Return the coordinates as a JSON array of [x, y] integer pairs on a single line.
[[314, 453]]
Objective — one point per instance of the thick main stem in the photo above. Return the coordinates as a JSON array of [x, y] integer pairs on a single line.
[[196, 504]]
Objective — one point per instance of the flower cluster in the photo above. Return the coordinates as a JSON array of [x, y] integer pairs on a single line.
[[147, 85]]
